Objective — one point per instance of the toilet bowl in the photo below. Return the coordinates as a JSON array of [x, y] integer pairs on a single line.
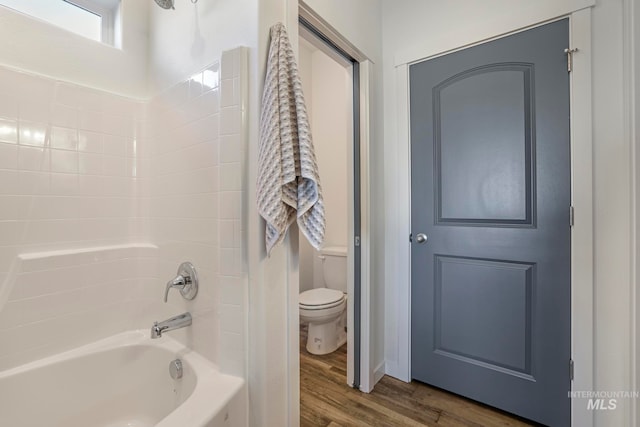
[[324, 309]]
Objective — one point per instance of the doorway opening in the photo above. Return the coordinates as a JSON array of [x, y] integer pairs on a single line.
[[330, 279]]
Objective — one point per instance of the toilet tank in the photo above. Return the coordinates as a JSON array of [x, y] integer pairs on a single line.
[[334, 267]]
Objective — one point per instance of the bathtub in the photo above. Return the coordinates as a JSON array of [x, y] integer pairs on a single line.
[[121, 381]]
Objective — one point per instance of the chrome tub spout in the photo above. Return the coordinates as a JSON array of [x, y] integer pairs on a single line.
[[180, 321]]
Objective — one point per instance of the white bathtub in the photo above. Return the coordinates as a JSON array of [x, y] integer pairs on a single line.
[[122, 381]]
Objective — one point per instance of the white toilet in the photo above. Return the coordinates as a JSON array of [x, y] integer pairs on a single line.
[[325, 309]]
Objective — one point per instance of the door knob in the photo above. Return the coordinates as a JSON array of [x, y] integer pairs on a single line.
[[421, 238]]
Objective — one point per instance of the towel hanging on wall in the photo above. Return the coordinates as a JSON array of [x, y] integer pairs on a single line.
[[288, 186]]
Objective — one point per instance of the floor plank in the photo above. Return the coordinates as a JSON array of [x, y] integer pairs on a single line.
[[327, 401]]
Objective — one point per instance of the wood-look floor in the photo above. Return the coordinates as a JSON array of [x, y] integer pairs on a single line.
[[326, 400]]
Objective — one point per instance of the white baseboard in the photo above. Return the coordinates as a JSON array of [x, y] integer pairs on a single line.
[[378, 373], [396, 371]]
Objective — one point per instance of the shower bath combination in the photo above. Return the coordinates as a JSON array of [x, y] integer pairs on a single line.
[[169, 4]]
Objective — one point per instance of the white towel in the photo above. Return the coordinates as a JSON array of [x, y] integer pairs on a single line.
[[288, 184]]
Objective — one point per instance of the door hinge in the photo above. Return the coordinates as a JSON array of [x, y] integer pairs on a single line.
[[357, 241], [570, 53], [571, 369], [571, 216]]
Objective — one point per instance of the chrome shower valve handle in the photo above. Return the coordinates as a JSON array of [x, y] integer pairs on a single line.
[[177, 283], [186, 282]]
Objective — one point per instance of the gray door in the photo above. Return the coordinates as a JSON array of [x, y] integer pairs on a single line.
[[490, 190]]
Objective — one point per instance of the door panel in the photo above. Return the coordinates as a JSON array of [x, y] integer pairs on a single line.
[[474, 185], [494, 331], [490, 172]]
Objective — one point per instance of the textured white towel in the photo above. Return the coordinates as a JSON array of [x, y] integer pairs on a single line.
[[288, 181]]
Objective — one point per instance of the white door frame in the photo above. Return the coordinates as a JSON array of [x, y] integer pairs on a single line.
[[632, 81], [399, 222], [367, 380]]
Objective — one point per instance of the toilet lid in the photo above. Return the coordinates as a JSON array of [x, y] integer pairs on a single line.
[[320, 297]]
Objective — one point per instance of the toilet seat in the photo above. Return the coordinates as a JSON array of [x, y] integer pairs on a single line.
[[320, 299]]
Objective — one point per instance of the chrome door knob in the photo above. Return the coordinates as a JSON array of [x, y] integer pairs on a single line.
[[421, 238]]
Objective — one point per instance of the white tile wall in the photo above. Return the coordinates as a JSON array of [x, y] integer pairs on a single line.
[[233, 190], [196, 195], [48, 151], [91, 292], [88, 175], [64, 184]]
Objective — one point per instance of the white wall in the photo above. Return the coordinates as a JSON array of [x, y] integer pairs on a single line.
[[306, 251], [413, 26], [190, 37], [327, 87], [612, 210], [332, 134], [39, 47], [359, 21], [273, 308], [159, 47]]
